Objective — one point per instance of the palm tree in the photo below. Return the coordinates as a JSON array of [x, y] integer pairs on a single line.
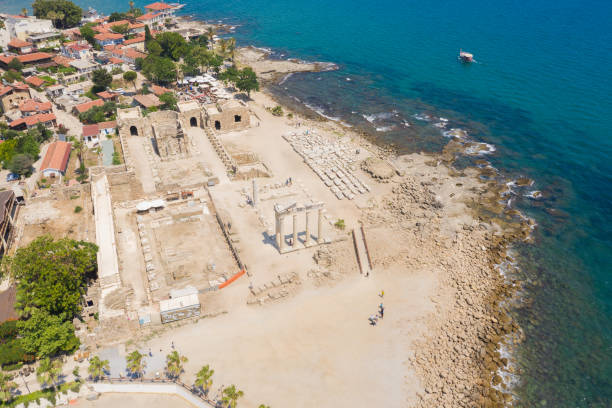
[[231, 48], [97, 368], [136, 364], [6, 387], [231, 395], [49, 371], [24, 12], [174, 364], [203, 378], [210, 33]]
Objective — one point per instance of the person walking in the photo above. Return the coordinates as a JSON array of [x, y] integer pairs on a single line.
[[381, 310]]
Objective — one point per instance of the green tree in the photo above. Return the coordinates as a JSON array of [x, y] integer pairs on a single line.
[[153, 48], [71, 14], [130, 76], [135, 363], [116, 16], [204, 378], [230, 75], [231, 396], [101, 79], [159, 70], [148, 36], [55, 17], [173, 45], [210, 33], [49, 371], [247, 81], [7, 151], [52, 275], [88, 34], [7, 386], [174, 364], [21, 164], [169, 101], [45, 335], [15, 64], [27, 144], [120, 28], [97, 368]]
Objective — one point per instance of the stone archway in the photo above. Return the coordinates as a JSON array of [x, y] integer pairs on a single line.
[[193, 122], [133, 131]]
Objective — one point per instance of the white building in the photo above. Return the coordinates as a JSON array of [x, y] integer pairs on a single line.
[[23, 27]]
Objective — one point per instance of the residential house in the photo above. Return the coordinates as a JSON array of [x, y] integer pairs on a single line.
[[48, 120], [13, 95], [34, 107], [128, 55], [165, 9], [147, 101], [55, 162], [62, 61], [138, 43], [76, 50], [35, 58], [22, 27], [84, 107], [8, 213], [151, 19], [55, 91], [84, 67], [45, 40], [35, 81], [103, 39], [159, 90], [107, 96], [90, 135], [20, 46]]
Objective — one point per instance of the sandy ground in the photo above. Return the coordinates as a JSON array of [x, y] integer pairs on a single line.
[[316, 349], [134, 401]]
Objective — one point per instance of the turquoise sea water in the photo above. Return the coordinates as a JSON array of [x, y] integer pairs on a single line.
[[540, 94]]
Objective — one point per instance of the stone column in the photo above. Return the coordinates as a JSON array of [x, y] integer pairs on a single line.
[[255, 193], [320, 226], [277, 229], [282, 234], [307, 229], [295, 230]]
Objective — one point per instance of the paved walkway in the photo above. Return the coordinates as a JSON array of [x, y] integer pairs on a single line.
[[108, 148]]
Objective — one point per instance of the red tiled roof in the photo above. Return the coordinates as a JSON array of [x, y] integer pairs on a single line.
[[33, 105], [17, 43], [134, 40], [107, 125], [90, 130], [25, 58], [78, 47], [114, 60], [33, 119], [148, 16], [107, 36], [35, 81], [84, 107], [57, 156], [106, 95], [132, 53], [157, 6], [63, 61], [147, 100], [159, 90], [19, 86]]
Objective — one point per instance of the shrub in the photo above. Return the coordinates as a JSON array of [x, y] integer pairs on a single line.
[[340, 224], [78, 209], [8, 330], [277, 110]]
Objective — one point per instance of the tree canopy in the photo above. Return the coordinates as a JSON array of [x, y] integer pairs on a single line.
[[64, 13], [21, 164], [169, 101], [15, 64], [173, 45], [52, 275], [101, 79], [159, 69], [116, 16], [88, 33], [45, 335], [247, 81], [99, 114]]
